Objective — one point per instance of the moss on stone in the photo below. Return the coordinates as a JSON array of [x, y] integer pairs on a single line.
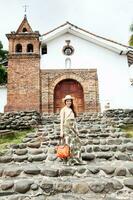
[[13, 138], [128, 129]]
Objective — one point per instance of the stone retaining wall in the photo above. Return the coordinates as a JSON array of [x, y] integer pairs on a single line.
[[28, 119], [123, 116], [19, 120], [119, 118]]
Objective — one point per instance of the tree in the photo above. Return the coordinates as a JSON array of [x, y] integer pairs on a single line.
[[3, 75], [3, 53], [131, 37], [3, 71]]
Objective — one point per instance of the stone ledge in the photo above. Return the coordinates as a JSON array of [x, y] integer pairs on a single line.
[[19, 120]]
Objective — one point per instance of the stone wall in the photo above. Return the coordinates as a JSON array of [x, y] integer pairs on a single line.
[[123, 116], [28, 119], [114, 117], [19, 120]]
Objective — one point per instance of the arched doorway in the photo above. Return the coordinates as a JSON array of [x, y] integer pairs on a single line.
[[72, 87]]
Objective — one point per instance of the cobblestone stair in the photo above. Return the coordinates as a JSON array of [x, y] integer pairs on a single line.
[[30, 170]]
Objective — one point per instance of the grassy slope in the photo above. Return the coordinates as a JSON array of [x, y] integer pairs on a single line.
[[128, 130], [15, 138]]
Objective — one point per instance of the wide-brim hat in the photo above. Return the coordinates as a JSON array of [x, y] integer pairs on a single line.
[[67, 97]]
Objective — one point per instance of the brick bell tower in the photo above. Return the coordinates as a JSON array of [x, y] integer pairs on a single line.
[[23, 88]]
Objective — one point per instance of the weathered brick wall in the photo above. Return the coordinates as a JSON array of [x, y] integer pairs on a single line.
[[24, 40], [23, 88], [23, 83], [86, 77]]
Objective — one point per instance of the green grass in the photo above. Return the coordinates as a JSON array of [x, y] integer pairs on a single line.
[[14, 138], [128, 130]]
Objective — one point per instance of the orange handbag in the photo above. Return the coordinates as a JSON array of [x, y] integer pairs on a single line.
[[63, 151]]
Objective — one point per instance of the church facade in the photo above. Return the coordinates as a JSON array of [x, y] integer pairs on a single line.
[[42, 69]]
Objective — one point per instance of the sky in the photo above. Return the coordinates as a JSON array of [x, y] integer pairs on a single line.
[[108, 18]]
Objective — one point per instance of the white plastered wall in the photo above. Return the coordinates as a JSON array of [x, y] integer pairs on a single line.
[[113, 70]]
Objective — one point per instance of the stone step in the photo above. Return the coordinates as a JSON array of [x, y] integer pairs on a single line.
[[84, 134], [23, 149], [85, 120], [37, 140], [37, 155], [112, 144], [105, 148], [93, 127], [62, 196], [95, 151], [31, 170], [81, 118], [85, 138], [36, 148], [5, 132], [50, 186], [60, 169]]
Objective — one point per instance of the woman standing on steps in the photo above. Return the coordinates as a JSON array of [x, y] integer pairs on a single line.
[[69, 131]]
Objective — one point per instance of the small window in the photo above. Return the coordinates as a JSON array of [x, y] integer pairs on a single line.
[[24, 30], [18, 48], [68, 63], [30, 48], [68, 51], [44, 49]]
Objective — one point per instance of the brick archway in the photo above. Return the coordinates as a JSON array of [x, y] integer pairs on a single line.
[[87, 78], [64, 76], [72, 87]]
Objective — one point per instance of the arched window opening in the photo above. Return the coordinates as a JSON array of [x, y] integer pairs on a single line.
[[18, 48], [24, 30], [30, 48], [44, 49], [68, 63]]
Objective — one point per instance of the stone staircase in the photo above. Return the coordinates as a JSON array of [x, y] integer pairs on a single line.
[[30, 170]]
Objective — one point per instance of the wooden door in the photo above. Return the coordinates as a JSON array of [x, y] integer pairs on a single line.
[[73, 88]]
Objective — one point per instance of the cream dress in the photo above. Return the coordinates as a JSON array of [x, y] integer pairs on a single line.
[[70, 132]]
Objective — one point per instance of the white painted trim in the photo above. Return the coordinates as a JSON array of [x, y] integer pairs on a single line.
[[96, 41], [84, 35]]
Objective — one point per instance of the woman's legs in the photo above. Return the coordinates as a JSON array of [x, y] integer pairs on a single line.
[[72, 139]]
